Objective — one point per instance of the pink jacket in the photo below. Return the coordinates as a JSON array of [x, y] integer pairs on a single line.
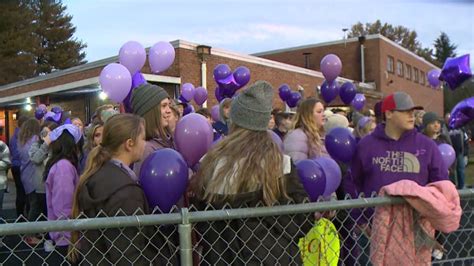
[[393, 229]]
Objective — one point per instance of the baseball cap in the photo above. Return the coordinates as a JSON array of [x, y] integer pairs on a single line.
[[399, 101]]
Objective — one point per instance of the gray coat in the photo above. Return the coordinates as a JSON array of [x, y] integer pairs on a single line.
[[5, 163], [38, 155]]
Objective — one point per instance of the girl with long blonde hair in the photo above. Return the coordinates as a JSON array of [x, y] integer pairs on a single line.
[[247, 169], [307, 139]]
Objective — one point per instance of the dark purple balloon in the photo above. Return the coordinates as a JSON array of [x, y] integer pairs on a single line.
[[293, 100], [332, 172], [182, 99], [347, 92], [57, 109], [200, 95], [276, 139], [358, 102], [193, 137], [222, 71], [462, 113], [187, 91], [39, 113], [188, 109], [284, 92], [340, 144], [164, 178], [329, 91], [433, 77], [242, 76], [312, 177], [137, 80], [228, 85], [455, 71]]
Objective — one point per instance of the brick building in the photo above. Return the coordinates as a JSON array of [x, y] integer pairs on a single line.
[[386, 65], [76, 89]]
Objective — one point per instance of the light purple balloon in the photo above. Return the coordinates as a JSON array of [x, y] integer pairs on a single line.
[[132, 55], [329, 90], [312, 177], [433, 77], [276, 139], [164, 178], [200, 95], [358, 102], [448, 154], [215, 113], [332, 172], [187, 91], [42, 107], [161, 56], [242, 76], [116, 81], [221, 72], [331, 66], [193, 136]]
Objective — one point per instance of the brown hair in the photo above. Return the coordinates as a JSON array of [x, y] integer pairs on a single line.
[[153, 126], [97, 116], [28, 129], [90, 137], [305, 121], [118, 129], [260, 161]]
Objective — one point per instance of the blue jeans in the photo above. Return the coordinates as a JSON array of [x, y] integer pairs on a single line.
[[460, 170]]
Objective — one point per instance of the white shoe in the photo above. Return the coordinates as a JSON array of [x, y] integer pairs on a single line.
[[437, 254], [48, 246]]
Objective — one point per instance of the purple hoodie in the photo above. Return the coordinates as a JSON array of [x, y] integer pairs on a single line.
[[60, 186], [380, 161]]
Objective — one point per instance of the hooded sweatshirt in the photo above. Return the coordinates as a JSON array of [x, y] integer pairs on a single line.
[[111, 191], [381, 161]]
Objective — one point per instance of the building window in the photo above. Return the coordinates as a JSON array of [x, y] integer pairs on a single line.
[[400, 68], [408, 72], [422, 78], [416, 74], [390, 64]]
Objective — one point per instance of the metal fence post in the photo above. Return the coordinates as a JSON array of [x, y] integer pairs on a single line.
[[185, 242]]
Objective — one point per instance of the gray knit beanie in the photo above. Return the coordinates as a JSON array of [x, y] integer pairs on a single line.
[[147, 96], [430, 117], [252, 108]]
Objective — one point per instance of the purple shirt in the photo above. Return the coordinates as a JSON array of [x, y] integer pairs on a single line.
[[125, 167], [60, 186], [380, 161]]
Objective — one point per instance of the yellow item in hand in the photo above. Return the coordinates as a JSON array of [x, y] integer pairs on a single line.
[[321, 245]]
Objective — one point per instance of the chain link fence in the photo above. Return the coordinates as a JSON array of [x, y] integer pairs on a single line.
[[324, 233]]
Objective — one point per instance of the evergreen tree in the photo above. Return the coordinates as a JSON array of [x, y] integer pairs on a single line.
[[443, 49]]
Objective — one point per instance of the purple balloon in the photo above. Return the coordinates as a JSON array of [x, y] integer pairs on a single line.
[[161, 56], [448, 154], [331, 66], [218, 92], [312, 177], [221, 72], [347, 92], [200, 95], [193, 136], [433, 77], [242, 76], [276, 139], [332, 172], [188, 109], [43, 107], [137, 80], [294, 98], [57, 109], [132, 55], [340, 144], [215, 113], [228, 85], [358, 102], [462, 113], [164, 178], [115, 81], [187, 91], [455, 71], [284, 92], [329, 91]]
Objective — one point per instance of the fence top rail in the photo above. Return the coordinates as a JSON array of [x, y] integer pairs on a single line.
[[198, 216]]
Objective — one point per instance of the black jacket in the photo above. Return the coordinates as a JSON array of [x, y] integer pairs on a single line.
[[270, 240], [111, 192]]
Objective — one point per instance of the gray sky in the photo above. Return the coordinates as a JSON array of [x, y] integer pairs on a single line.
[[250, 26]]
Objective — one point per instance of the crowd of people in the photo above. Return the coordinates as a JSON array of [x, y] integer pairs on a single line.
[[64, 169]]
